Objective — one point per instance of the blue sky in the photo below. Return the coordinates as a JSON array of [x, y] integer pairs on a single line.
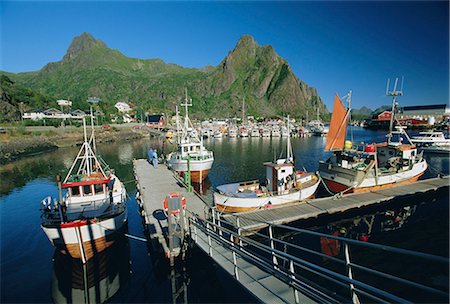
[[333, 46]]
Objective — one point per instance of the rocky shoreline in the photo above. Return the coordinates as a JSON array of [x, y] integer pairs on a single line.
[[16, 148]]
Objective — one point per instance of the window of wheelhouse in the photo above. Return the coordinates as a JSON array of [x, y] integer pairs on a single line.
[[75, 191], [87, 190], [99, 188]]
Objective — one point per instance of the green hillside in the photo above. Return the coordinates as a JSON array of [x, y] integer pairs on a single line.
[[251, 72]]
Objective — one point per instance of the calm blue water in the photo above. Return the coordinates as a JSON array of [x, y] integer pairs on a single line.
[[31, 271]]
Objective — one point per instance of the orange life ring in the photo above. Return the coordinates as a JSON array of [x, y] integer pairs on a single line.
[[174, 195]]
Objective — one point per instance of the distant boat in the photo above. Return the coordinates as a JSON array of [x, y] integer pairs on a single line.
[[265, 132], [284, 132], [243, 132], [218, 134], [254, 133], [232, 132], [83, 220], [432, 138], [377, 166], [283, 185], [191, 155], [275, 132], [318, 128]]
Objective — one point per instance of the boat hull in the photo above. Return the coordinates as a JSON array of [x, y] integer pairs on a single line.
[[197, 176], [199, 169], [349, 182], [83, 239], [231, 204]]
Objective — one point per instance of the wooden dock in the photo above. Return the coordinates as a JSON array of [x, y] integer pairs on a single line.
[[252, 221], [153, 185]]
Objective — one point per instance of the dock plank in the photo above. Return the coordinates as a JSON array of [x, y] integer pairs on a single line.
[[154, 184]]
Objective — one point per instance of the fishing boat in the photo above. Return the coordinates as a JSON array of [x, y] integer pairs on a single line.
[[91, 206], [265, 132], [232, 132], [318, 128], [283, 185], [243, 132], [218, 134], [371, 167], [284, 131], [275, 132], [431, 138], [254, 132], [190, 155]]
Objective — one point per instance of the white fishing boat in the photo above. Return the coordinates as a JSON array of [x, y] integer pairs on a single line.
[[232, 132], [254, 132], [285, 132], [318, 128], [191, 155], [435, 149], [431, 138], [91, 205], [376, 166], [265, 132], [243, 132], [283, 185], [275, 132], [218, 134]]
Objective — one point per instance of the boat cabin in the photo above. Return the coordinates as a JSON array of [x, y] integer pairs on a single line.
[[280, 176]]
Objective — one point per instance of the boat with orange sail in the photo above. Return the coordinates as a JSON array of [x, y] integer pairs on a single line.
[[373, 166]]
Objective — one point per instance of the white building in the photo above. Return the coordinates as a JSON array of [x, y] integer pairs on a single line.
[[123, 107]]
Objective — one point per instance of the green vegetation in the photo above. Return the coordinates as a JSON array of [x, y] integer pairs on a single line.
[[251, 72]]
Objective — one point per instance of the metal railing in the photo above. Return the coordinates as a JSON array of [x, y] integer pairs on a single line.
[[351, 270], [52, 212]]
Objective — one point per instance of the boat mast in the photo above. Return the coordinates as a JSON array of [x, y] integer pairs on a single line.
[[86, 152], [349, 108], [243, 110], [394, 93], [93, 133], [289, 154], [178, 125]]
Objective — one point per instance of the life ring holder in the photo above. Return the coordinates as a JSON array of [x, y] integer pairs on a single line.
[[174, 195]]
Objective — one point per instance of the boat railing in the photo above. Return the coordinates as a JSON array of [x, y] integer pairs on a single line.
[[53, 212], [325, 267]]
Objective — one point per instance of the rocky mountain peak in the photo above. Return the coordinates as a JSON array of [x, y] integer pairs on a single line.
[[82, 43]]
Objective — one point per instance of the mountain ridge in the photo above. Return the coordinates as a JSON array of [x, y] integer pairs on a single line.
[[249, 71]]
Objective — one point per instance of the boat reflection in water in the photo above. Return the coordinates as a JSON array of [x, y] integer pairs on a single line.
[[363, 227], [94, 282]]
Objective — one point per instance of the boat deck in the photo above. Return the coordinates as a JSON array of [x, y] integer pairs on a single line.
[[252, 221], [154, 184]]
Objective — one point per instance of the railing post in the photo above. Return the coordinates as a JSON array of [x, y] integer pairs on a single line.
[[272, 245], [239, 231], [236, 273], [354, 296], [219, 223], [292, 271], [209, 239]]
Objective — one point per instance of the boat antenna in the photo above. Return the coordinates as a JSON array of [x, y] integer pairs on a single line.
[[348, 96], [394, 93]]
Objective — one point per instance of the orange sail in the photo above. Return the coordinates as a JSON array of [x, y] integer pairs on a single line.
[[338, 126]]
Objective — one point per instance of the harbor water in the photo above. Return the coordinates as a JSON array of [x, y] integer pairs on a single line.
[[32, 271]]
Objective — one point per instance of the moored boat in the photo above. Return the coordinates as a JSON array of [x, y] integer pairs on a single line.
[[431, 138], [191, 155], [283, 185], [375, 166], [90, 209]]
